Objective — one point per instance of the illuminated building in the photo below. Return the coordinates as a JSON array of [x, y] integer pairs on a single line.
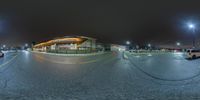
[[67, 43]]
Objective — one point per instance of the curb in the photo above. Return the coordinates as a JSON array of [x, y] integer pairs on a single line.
[[125, 55], [67, 55]]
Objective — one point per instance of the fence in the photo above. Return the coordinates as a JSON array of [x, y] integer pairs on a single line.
[[150, 51], [72, 51]]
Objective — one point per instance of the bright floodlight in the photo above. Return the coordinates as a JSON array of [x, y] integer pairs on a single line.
[[26, 44], [4, 46], [178, 43], [191, 26], [128, 42], [149, 45]]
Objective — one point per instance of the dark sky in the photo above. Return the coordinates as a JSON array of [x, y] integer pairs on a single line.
[[115, 21]]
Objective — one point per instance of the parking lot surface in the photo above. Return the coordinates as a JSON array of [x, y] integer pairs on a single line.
[[109, 76]]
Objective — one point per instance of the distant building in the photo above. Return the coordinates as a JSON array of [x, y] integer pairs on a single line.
[[110, 47], [67, 43], [116, 47]]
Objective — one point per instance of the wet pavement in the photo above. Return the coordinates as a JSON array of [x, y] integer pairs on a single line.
[[32, 76]]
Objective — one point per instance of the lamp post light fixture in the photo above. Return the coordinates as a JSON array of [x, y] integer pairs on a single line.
[[4, 46], [128, 42], [178, 43], [149, 45], [26, 45], [192, 27]]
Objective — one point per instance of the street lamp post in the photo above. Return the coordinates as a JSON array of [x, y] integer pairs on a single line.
[[26, 45], [178, 44], [149, 45], [128, 44], [4, 47], [192, 27]]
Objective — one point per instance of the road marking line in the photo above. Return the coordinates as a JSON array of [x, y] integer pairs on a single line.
[[8, 61]]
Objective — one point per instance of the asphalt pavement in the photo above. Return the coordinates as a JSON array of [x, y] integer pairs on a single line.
[[33, 76]]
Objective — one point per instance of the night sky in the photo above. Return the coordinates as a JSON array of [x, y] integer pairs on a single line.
[[110, 21]]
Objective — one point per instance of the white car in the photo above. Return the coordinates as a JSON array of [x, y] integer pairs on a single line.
[[193, 53], [1, 54]]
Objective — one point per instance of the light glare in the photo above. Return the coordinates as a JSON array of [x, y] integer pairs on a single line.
[[191, 26], [128, 42]]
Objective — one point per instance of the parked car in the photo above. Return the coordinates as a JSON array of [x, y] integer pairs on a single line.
[[1, 54], [193, 53]]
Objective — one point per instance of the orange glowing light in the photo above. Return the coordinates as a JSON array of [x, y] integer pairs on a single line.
[[55, 41]]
